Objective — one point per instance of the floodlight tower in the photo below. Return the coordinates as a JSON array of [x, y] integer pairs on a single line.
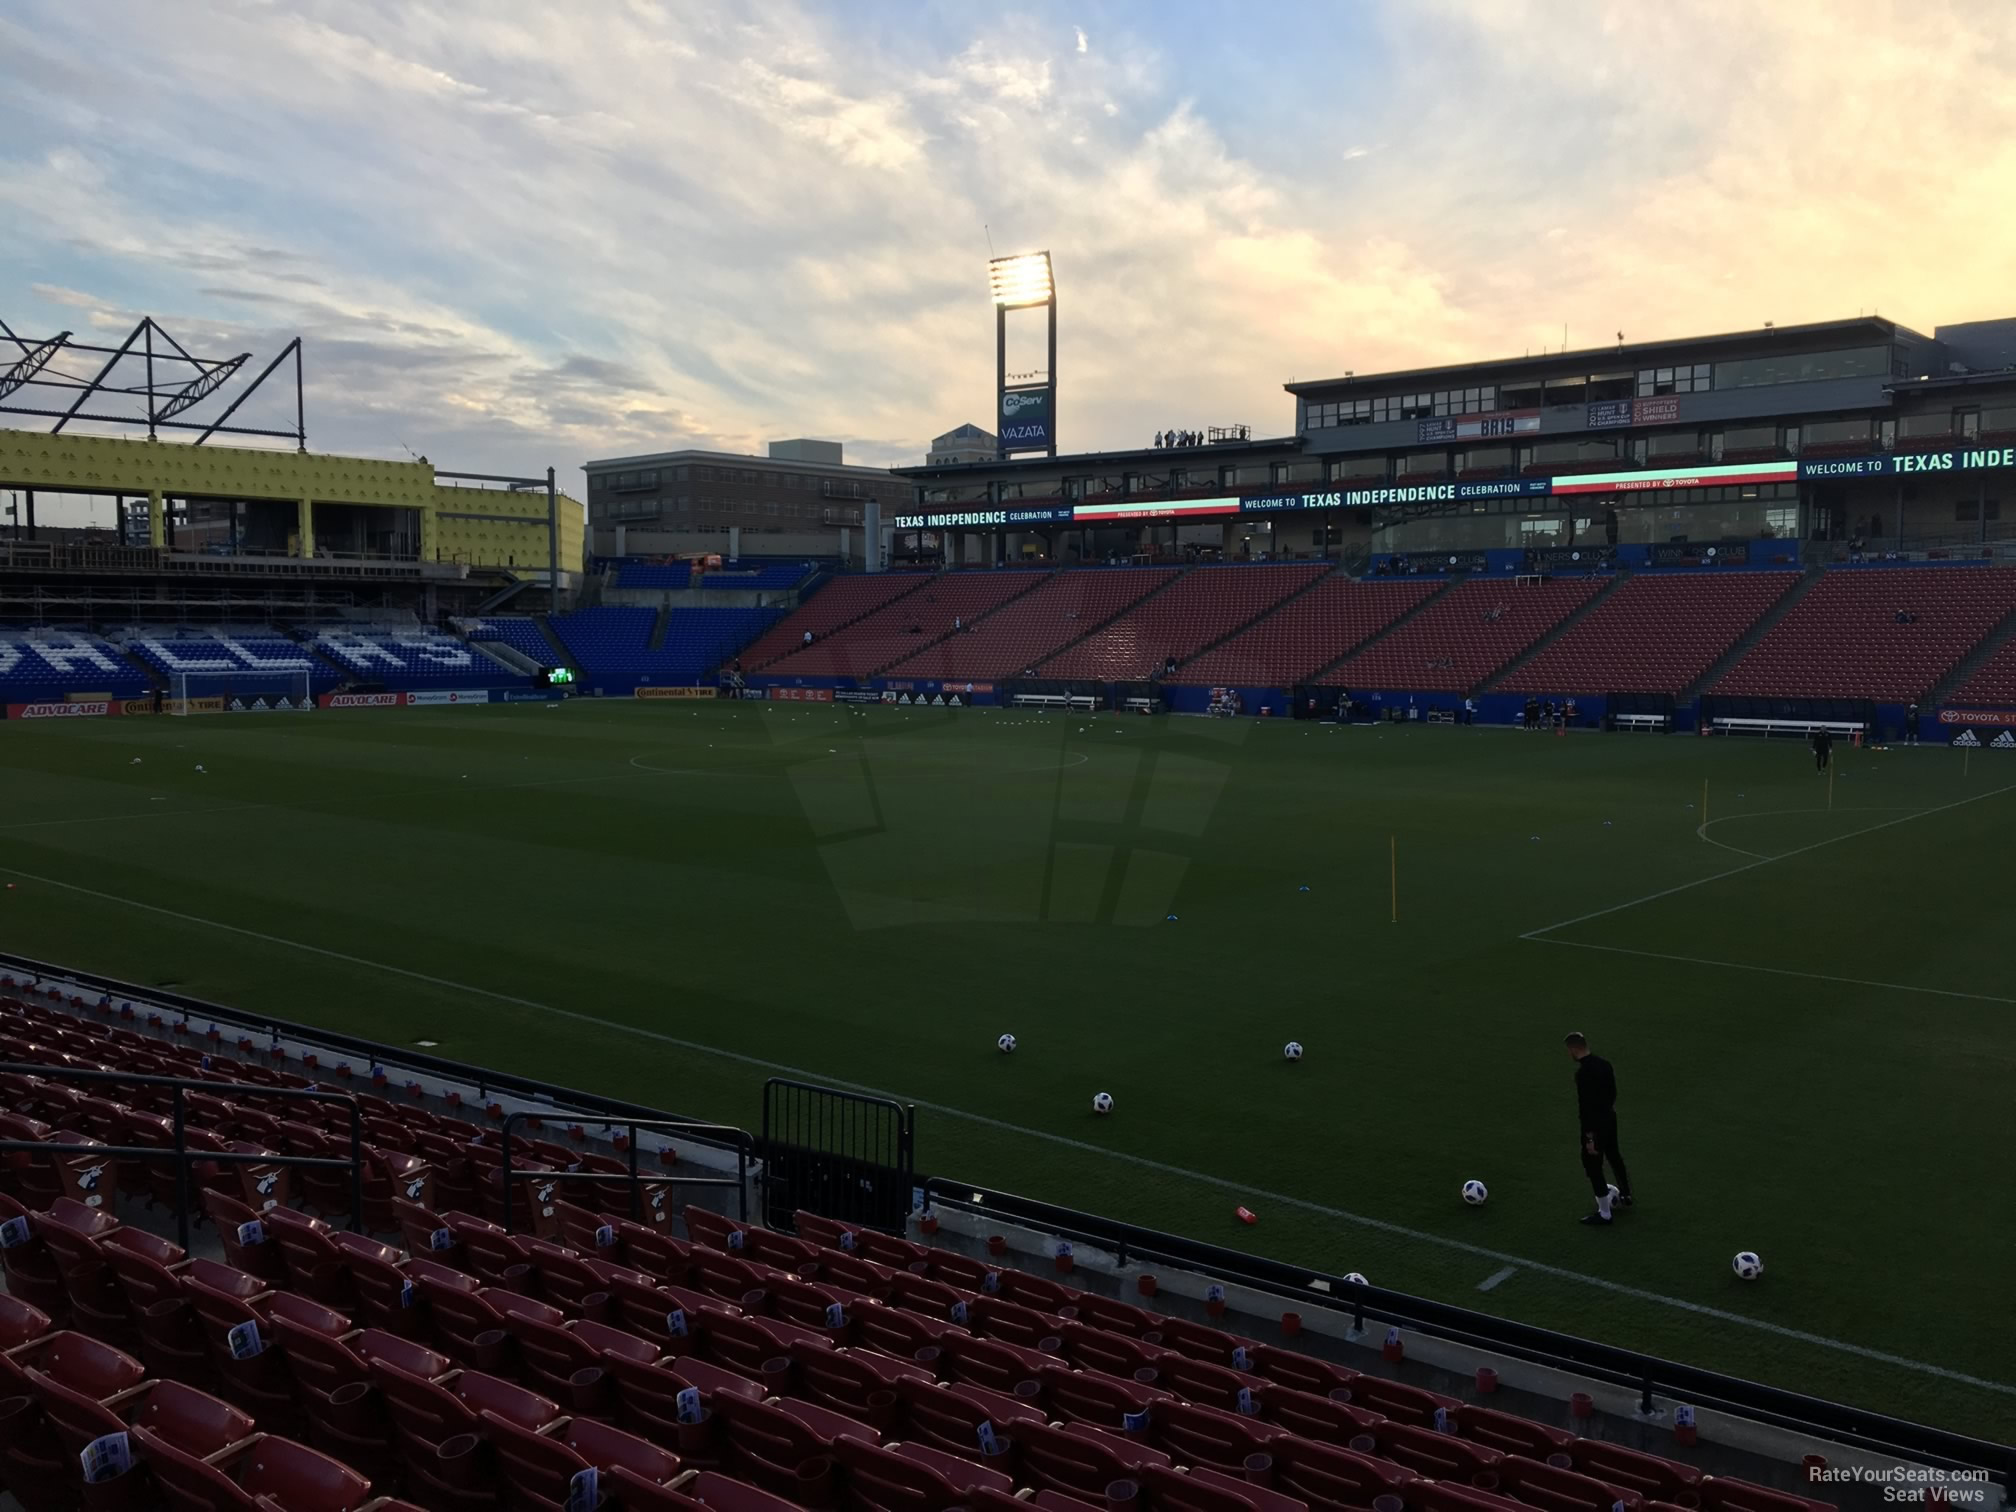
[[1026, 411]]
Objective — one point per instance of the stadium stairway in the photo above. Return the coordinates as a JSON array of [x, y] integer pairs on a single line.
[[1505, 672], [845, 602], [1348, 652], [1756, 632], [155, 679], [659, 627], [1991, 650], [1241, 628], [306, 637], [1119, 614], [562, 657]]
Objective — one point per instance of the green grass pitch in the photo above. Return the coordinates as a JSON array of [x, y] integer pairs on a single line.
[[1809, 1007]]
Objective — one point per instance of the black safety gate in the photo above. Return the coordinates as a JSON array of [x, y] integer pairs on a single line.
[[842, 1155]]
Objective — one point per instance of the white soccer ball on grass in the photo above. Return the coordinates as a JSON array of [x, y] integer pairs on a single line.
[[1292, 1050], [1005, 1044], [1474, 1193], [1102, 1102], [1747, 1265]]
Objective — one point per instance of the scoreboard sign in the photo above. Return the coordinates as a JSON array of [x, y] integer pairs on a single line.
[[1497, 426]]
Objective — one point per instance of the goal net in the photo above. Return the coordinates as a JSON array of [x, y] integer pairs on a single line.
[[275, 690]]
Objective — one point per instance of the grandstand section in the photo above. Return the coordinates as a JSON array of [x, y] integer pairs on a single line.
[[619, 647], [229, 661], [1655, 633], [520, 633], [1068, 606], [1993, 682], [38, 665], [1471, 632], [839, 604], [1888, 634], [411, 659], [952, 605], [1205, 605], [1290, 646]]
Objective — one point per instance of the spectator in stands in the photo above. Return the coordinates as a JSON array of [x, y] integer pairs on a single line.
[[1596, 1107], [808, 639], [1168, 666], [957, 624]]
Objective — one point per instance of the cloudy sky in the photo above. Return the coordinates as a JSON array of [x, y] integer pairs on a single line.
[[515, 234]]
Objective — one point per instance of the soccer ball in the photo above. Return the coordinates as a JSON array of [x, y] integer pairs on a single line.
[[1292, 1050], [1102, 1102], [1474, 1193], [1355, 1277], [1747, 1265], [1005, 1044]]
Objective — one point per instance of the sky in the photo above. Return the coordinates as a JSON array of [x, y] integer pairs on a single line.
[[514, 235]]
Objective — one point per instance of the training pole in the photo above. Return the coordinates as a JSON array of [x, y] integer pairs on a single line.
[[1393, 869], [1830, 785]]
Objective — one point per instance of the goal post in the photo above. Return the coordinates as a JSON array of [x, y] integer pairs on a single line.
[[283, 690]]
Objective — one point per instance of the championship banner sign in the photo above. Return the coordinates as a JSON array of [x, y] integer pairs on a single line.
[[678, 693], [1492, 427]]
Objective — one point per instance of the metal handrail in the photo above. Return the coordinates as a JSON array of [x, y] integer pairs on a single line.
[[180, 1149], [738, 1138], [1647, 1373]]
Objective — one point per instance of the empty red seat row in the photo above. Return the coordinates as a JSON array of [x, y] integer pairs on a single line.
[[1654, 633], [1036, 625], [1465, 636], [1204, 605], [911, 622]]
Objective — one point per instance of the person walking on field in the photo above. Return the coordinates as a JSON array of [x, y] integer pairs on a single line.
[[1823, 748], [1596, 1102]]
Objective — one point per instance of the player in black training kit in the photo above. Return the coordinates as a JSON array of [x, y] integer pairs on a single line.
[[1596, 1101]]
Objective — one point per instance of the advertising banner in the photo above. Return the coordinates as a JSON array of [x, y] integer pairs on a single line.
[[359, 700], [91, 708], [1605, 413], [267, 703], [446, 696], [984, 519], [1028, 419], [1153, 509], [856, 696], [1989, 717], [802, 695], [1961, 459], [678, 693], [1677, 477], [524, 695]]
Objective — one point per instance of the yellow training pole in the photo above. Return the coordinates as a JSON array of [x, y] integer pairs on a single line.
[[1393, 864]]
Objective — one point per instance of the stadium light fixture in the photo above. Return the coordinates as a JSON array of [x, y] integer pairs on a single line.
[[1021, 280]]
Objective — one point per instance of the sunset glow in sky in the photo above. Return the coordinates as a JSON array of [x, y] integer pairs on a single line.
[[517, 234]]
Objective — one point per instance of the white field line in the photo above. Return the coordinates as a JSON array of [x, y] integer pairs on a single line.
[[1784, 971], [1282, 1199], [1701, 829], [1734, 871]]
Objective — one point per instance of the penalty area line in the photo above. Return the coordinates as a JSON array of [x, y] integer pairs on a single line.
[[1784, 971], [1750, 866], [1282, 1199]]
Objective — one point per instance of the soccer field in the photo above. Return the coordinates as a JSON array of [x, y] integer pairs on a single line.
[[1809, 1006]]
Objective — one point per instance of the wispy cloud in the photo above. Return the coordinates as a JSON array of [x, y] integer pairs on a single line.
[[513, 240]]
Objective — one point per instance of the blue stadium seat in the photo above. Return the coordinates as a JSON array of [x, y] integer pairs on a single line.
[[41, 665], [225, 661], [411, 659], [613, 643], [520, 634]]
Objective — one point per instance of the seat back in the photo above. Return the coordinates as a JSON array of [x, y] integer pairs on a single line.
[[535, 1468], [299, 1478], [874, 1479], [188, 1484], [192, 1420]]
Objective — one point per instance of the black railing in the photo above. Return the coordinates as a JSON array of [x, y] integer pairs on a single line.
[[713, 1133], [1649, 1375], [180, 1152]]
